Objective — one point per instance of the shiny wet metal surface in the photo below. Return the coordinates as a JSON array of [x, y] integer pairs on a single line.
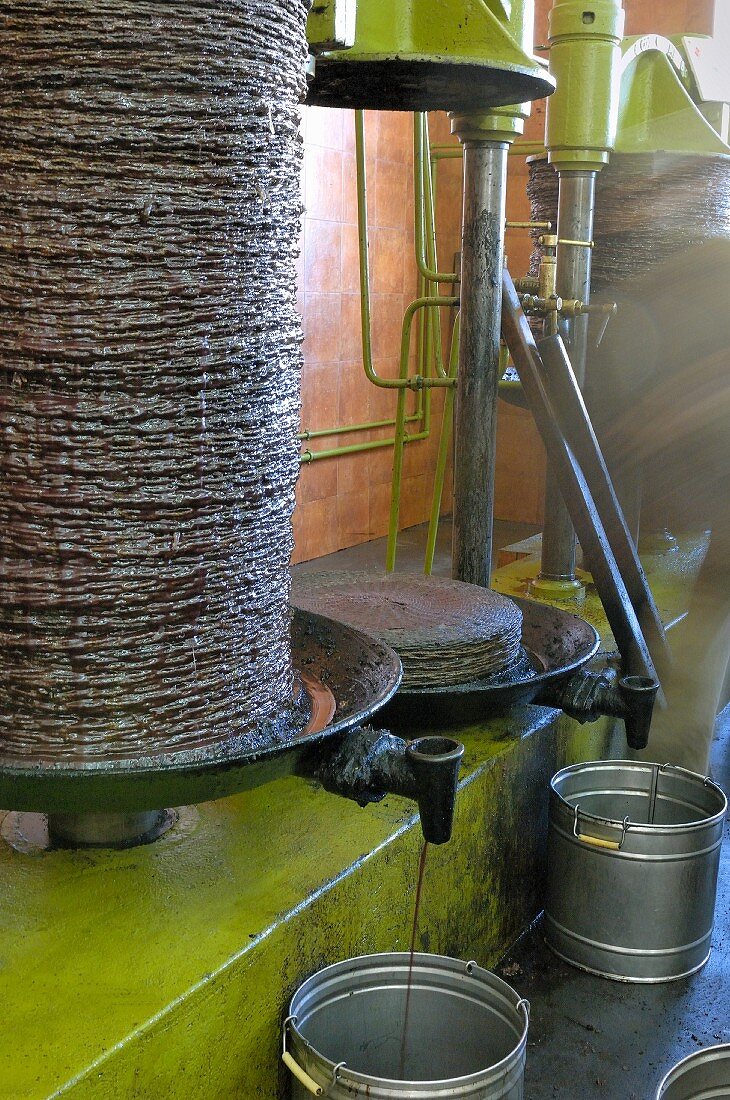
[[467, 1029], [701, 1076], [633, 856]]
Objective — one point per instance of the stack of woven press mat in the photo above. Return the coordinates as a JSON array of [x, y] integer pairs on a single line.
[[445, 632]]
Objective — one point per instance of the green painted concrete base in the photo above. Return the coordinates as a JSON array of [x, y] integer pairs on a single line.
[[165, 970], [671, 576]]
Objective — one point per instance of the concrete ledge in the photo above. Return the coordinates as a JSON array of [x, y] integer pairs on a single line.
[[165, 970]]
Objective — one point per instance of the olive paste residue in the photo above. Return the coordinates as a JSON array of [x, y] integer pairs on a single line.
[[149, 370]]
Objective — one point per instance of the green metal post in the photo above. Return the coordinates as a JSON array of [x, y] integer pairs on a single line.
[[418, 382], [447, 420]]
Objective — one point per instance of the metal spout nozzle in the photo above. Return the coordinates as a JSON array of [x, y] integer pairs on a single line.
[[367, 764], [638, 694], [586, 695], [435, 762]]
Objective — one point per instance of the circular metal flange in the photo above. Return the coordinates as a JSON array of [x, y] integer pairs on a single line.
[[361, 673], [28, 833], [108, 830], [420, 83]]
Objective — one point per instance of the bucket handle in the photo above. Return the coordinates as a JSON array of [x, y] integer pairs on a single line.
[[706, 779], [301, 1075], [597, 841]]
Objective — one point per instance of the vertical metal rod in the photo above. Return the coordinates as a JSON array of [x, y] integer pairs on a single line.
[[653, 794], [560, 439], [576, 203], [482, 260]]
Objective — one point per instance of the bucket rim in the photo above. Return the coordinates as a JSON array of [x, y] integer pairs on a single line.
[[646, 766], [679, 1067], [396, 958]]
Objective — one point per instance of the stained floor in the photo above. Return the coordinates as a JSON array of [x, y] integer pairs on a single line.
[[411, 549], [590, 1037]]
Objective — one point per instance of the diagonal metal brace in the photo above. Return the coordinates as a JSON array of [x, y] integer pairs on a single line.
[[555, 401], [576, 426]]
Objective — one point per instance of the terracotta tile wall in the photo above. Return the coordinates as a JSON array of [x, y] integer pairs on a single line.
[[345, 500]]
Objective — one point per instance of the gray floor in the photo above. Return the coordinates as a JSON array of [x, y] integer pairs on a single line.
[[411, 548], [590, 1037]]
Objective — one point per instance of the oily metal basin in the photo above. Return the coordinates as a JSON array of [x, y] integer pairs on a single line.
[[361, 673], [556, 644]]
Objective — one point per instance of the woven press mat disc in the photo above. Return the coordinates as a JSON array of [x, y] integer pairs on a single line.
[[445, 632]]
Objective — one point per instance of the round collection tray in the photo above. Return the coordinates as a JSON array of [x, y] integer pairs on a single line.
[[361, 674], [555, 644]]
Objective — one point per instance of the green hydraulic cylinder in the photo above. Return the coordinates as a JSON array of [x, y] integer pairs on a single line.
[[585, 59]]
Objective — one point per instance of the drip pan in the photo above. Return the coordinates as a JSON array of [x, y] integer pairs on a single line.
[[361, 673], [555, 644]]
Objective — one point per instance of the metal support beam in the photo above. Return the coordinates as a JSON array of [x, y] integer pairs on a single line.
[[576, 202], [482, 260], [555, 401]]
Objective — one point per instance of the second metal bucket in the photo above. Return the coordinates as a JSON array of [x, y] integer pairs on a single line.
[[466, 1031], [704, 1075], [633, 857]]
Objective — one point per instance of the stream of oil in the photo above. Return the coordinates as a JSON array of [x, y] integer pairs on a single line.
[[409, 984]]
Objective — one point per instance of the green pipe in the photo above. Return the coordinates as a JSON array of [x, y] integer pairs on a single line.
[[421, 384], [443, 454], [314, 456], [446, 152], [362, 225], [403, 382], [449, 382], [418, 381], [420, 141], [432, 176], [429, 213], [422, 346], [526, 149], [398, 448], [422, 413], [370, 425]]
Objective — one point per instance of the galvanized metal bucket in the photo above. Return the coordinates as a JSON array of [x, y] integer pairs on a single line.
[[633, 855], [466, 1033], [704, 1075]]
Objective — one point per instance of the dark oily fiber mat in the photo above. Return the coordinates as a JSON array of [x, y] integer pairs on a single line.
[[445, 632]]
